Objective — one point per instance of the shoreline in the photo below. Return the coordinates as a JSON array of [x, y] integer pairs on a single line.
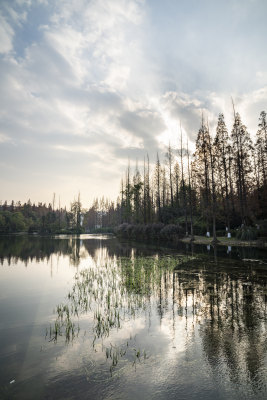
[[202, 240], [223, 241]]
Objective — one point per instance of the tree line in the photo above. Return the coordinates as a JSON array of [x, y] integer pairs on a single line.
[[40, 218], [219, 188]]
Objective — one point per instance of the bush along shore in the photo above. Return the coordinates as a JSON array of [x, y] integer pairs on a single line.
[[149, 232], [173, 234]]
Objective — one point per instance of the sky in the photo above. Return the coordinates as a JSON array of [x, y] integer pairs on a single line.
[[88, 85]]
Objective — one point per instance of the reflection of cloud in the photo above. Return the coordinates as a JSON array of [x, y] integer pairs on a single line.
[[189, 331]]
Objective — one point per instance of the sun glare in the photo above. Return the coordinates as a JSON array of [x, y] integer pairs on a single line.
[[172, 132]]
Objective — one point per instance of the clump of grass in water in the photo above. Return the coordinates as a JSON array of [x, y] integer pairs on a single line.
[[113, 291]]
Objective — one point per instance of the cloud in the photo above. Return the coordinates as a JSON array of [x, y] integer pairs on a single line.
[[6, 36], [86, 85], [4, 138], [144, 125], [185, 110]]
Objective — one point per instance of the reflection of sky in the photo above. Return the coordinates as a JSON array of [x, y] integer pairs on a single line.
[[87, 85], [198, 344]]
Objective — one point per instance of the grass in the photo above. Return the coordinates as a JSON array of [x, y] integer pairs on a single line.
[[113, 291]]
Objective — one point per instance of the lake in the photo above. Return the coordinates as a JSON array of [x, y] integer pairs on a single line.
[[92, 317]]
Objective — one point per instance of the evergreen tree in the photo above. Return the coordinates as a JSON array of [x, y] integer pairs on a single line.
[[136, 191], [158, 187], [169, 157], [242, 160], [202, 171], [183, 183], [221, 154], [261, 148]]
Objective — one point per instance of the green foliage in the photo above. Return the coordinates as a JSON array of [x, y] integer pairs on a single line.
[[102, 230], [154, 232], [18, 222], [247, 233], [39, 219], [2, 223], [12, 222], [200, 227]]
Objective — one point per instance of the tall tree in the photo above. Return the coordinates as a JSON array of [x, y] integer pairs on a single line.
[[212, 168], [242, 149], [170, 164], [261, 148], [183, 182], [144, 195], [158, 187], [176, 182], [164, 190], [149, 195], [76, 208], [221, 154], [128, 195], [202, 171], [136, 189], [190, 195]]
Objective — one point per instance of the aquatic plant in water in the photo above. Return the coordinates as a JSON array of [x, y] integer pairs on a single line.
[[113, 292]]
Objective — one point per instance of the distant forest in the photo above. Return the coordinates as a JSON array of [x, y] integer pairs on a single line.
[[221, 189], [40, 218]]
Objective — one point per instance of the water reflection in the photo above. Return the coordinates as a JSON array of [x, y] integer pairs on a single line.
[[230, 307], [224, 304], [114, 290], [38, 249], [35, 248], [26, 248], [133, 311]]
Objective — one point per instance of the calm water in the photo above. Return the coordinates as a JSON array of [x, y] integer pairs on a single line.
[[93, 318]]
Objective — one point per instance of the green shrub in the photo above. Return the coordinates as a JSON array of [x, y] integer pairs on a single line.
[[247, 233]]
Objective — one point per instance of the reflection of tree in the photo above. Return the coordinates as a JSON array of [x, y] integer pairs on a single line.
[[227, 302], [75, 251], [121, 248], [231, 310], [28, 248]]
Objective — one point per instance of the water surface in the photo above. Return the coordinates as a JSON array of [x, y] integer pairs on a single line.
[[90, 317]]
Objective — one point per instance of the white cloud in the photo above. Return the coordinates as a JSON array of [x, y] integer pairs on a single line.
[[100, 81], [6, 36], [17, 17], [4, 138]]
